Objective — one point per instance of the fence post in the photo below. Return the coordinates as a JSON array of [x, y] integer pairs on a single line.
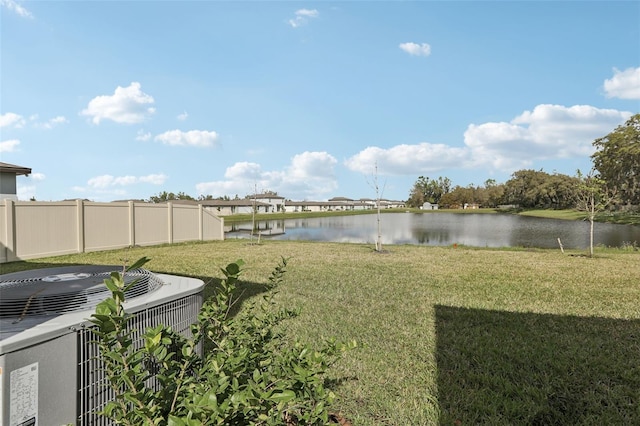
[[200, 223], [170, 220], [10, 217], [132, 224], [80, 224]]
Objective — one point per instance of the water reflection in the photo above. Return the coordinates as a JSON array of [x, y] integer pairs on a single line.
[[262, 227], [438, 229]]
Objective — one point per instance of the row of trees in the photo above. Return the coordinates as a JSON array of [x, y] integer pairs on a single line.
[[164, 196], [615, 177]]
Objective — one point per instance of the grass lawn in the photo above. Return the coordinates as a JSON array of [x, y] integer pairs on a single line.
[[568, 214], [448, 335]]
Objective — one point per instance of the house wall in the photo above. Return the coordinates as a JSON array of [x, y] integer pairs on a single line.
[[277, 204], [39, 229], [8, 186]]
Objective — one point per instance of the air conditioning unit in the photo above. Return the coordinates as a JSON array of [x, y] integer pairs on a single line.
[[49, 371]]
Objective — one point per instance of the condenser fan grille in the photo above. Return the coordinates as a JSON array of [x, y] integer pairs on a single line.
[[67, 289]]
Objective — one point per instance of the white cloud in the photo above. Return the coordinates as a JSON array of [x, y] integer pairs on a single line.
[[127, 105], [407, 159], [9, 145], [25, 192], [302, 16], [416, 49], [16, 7], [310, 175], [107, 181], [143, 136], [183, 116], [624, 84], [54, 122], [200, 138], [12, 119], [548, 132], [101, 194], [38, 177], [312, 165], [104, 181], [157, 179], [18, 121], [243, 171]]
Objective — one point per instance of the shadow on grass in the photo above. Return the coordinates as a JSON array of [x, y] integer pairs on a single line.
[[499, 367]]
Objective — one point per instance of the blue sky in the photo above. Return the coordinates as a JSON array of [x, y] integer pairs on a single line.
[[122, 100]]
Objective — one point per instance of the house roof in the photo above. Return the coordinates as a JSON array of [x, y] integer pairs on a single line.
[[12, 168], [308, 203], [228, 203], [261, 196]]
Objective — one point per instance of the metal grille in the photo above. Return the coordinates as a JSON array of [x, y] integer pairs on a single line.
[[73, 289], [93, 391]]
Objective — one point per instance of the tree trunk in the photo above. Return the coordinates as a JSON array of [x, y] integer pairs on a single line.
[[592, 216], [591, 236]]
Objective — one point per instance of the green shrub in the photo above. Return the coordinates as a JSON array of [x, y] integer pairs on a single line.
[[249, 373]]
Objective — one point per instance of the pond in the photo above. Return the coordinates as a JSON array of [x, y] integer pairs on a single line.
[[443, 229]]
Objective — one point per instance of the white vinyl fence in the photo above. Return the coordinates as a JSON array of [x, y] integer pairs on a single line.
[[32, 229]]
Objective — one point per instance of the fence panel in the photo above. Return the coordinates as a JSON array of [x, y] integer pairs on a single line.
[[45, 229], [151, 224], [212, 226], [186, 223], [106, 226], [39, 229]]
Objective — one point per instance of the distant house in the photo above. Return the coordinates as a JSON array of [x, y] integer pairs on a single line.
[[306, 206], [339, 204], [429, 206], [340, 200], [240, 206], [391, 204], [275, 201], [364, 205], [8, 175]]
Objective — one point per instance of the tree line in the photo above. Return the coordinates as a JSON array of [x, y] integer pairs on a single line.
[[164, 196], [615, 176]]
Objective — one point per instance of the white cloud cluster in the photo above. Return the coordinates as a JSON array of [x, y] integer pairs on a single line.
[[127, 105], [27, 192], [50, 124], [302, 16], [416, 49], [624, 84], [547, 132], [17, 121], [16, 7], [407, 159], [9, 145], [107, 181], [37, 177], [309, 175], [201, 138], [12, 119], [183, 116]]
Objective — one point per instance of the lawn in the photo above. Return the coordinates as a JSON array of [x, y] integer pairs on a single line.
[[448, 335]]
